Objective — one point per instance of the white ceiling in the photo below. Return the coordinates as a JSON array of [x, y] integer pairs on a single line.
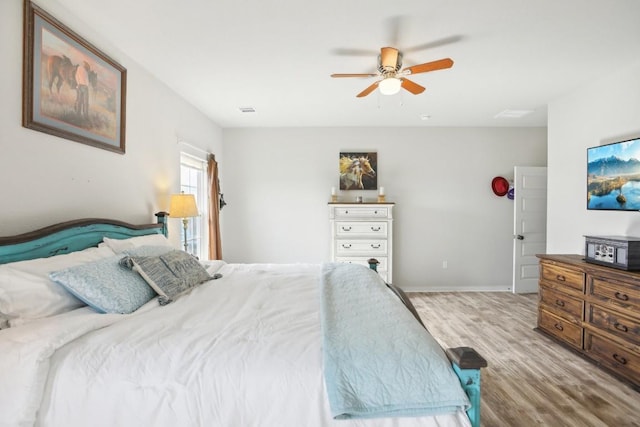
[[277, 55]]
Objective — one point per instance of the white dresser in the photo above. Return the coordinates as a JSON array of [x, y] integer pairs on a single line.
[[360, 231]]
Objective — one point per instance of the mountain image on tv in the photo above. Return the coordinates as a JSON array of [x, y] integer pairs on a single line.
[[613, 176]]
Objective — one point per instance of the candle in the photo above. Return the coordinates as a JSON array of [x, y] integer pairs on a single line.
[[381, 193], [333, 191]]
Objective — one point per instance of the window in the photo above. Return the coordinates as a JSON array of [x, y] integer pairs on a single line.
[[193, 180]]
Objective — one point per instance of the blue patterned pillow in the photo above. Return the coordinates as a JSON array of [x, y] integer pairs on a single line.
[[105, 286], [148, 250], [170, 274]]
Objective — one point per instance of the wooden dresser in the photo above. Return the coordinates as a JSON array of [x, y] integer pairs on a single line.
[[360, 231], [594, 310]]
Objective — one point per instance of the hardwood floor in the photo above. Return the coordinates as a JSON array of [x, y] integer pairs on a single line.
[[531, 380]]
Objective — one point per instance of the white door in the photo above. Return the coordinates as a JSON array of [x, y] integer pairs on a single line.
[[529, 226]]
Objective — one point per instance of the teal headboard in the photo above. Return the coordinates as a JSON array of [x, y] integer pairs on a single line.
[[72, 236]]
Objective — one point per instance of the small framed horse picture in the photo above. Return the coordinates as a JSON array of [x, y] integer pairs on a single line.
[[70, 89], [358, 171]]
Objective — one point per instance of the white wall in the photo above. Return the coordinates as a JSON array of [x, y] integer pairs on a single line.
[[605, 111], [277, 183], [46, 179]]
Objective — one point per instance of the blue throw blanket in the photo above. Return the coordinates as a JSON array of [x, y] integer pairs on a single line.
[[378, 360]]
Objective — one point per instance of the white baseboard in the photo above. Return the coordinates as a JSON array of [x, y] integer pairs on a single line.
[[448, 289]]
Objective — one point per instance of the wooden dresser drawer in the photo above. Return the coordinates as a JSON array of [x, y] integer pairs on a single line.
[[561, 277], [361, 212], [375, 229], [612, 292], [561, 303], [353, 247], [382, 266], [617, 324], [612, 356], [562, 329]]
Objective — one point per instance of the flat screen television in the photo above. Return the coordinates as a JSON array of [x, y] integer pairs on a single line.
[[613, 176]]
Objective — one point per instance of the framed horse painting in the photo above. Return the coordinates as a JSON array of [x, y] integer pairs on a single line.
[[358, 171], [70, 88]]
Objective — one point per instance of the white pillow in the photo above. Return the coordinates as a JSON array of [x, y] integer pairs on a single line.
[[27, 293], [121, 245]]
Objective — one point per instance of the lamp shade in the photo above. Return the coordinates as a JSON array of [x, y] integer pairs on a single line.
[[183, 206], [390, 86]]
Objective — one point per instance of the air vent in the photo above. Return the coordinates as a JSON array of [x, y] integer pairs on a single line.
[[512, 114]]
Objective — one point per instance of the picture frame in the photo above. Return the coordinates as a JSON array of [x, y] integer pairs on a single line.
[[70, 88], [358, 170]]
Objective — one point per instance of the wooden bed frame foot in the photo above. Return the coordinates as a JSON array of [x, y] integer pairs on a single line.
[[466, 363]]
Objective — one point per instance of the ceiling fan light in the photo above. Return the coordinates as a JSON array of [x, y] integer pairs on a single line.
[[390, 86]]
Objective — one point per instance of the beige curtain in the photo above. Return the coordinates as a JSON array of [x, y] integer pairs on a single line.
[[215, 245]]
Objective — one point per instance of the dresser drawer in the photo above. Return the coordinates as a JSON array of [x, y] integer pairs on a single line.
[[373, 229], [562, 278], [562, 329], [561, 303], [609, 354], [351, 247], [361, 212], [382, 266], [613, 292], [614, 323]]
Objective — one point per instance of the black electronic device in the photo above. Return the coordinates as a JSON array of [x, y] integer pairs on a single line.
[[622, 252]]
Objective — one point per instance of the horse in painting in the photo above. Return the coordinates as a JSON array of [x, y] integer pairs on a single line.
[[351, 171], [60, 70]]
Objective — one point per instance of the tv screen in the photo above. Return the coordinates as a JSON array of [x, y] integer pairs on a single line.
[[613, 176]]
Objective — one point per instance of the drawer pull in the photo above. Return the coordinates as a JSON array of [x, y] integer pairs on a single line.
[[346, 228], [376, 246], [561, 278], [559, 303], [346, 212], [622, 297], [621, 360], [375, 228], [558, 326], [620, 327], [346, 245], [375, 212]]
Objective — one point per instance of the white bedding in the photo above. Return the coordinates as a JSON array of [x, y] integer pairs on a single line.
[[243, 350]]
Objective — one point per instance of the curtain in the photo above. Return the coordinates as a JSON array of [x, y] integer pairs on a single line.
[[215, 245]]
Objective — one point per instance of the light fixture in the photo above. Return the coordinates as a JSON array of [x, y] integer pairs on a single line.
[[390, 85], [183, 206]]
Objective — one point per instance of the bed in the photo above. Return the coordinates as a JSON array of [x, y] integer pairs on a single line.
[[93, 334]]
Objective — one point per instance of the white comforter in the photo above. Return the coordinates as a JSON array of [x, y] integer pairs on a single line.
[[244, 350]]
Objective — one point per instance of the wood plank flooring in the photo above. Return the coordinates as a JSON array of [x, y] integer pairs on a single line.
[[531, 380]]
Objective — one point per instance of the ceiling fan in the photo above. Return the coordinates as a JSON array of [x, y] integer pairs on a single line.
[[393, 77]]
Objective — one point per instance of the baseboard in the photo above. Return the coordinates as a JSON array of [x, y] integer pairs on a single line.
[[449, 289]]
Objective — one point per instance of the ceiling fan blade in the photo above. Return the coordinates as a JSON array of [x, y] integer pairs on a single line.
[[353, 75], [353, 52], [412, 87], [389, 57], [368, 90], [394, 24], [430, 66], [436, 43]]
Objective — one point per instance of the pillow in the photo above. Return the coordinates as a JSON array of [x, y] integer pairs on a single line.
[[105, 286], [170, 275], [120, 245], [27, 293], [148, 251]]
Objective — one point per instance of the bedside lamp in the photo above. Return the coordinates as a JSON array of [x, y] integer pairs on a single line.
[[183, 206]]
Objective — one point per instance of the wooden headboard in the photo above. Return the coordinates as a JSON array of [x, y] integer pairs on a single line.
[[72, 236]]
